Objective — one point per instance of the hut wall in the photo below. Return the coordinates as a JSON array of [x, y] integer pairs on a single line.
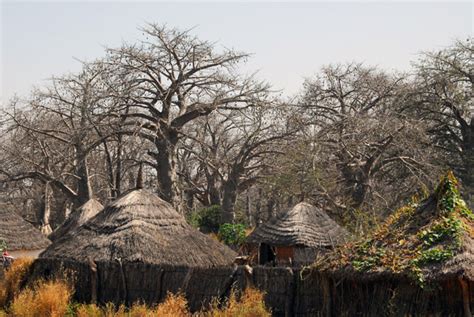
[[288, 292], [284, 254]]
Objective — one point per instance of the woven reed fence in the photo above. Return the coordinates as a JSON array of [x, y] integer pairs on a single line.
[[288, 292]]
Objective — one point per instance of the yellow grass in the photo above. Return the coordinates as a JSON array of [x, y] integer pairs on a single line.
[[53, 299], [90, 310], [10, 285], [250, 304], [45, 299], [174, 305]]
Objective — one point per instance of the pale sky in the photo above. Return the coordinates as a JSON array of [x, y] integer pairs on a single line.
[[289, 41]]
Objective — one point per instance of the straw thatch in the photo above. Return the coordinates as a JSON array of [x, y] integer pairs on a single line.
[[303, 225], [141, 227], [77, 218], [19, 234], [426, 241]]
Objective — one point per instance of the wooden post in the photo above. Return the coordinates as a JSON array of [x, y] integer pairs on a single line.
[[465, 297], [94, 279]]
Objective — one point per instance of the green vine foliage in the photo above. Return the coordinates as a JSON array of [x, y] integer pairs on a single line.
[[413, 238]]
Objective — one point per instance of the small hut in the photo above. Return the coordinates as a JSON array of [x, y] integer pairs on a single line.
[[423, 253], [21, 237], [138, 248], [77, 218], [295, 237], [141, 227]]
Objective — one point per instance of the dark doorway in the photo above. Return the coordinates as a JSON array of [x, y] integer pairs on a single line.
[[266, 254]]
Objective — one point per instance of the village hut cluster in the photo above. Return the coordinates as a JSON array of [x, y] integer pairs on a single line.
[[139, 247]]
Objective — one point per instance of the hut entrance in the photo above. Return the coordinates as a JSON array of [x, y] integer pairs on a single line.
[[266, 254]]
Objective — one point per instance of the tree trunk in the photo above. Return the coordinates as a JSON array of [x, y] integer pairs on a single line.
[[248, 207], [467, 177], [189, 200], [167, 170], [118, 168], [110, 170], [258, 207], [84, 188], [46, 212], [270, 206], [67, 208], [228, 200], [213, 191]]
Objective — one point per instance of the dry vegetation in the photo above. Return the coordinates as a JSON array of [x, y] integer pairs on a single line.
[[10, 285], [54, 299]]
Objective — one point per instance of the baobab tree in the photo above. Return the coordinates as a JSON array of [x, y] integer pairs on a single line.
[[64, 119], [168, 80], [232, 149], [363, 146], [443, 96]]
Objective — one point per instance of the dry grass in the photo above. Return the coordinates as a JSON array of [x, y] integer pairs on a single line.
[[45, 299], [250, 304], [53, 299], [174, 305], [90, 310], [10, 285]]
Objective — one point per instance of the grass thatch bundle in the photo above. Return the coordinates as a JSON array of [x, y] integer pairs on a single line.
[[427, 240], [303, 225], [77, 218], [140, 227], [19, 234]]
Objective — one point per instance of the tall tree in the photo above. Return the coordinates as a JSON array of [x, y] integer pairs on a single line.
[[363, 146], [172, 78], [233, 149], [444, 98], [64, 119]]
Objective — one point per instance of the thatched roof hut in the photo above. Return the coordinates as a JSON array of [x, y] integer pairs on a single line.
[[77, 218], [426, 242], [297, 233], [141, 227], [19, 235], [431, 239]]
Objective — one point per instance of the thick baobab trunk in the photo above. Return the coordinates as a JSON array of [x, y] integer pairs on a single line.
[[258, 207], [248, 207], [189, 200], [213, 191], [271, 206], [118, 169], [84, 188], [228, 199], [46, 212], [229, 194], [167, 170], [467, 176]]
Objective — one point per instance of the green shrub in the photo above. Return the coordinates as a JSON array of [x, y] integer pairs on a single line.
[[232, 234], [207, 219]]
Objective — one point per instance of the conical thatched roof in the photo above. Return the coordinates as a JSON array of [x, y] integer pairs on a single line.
[[302, 225], [141, 227], [77, 218], [431, 239], [19, 234]]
